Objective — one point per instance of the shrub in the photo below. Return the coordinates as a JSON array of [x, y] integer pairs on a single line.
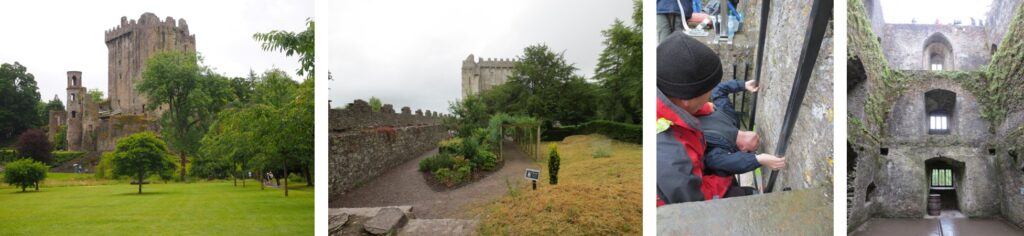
[[484, 160], [34, 144], [105, 169], [60, 157], [450, 146], [25, 173], [553, 163], [141, 155], [451, 176], [432, 164]]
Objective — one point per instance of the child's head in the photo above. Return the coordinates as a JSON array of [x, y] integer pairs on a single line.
[[687, 71]]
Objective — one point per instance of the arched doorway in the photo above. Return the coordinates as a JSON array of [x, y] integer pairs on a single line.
[[944, 177], [938, 53]]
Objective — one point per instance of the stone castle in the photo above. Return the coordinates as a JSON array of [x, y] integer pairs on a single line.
[[483, 74], [95, 126]]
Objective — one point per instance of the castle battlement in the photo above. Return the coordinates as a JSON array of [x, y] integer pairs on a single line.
[[146, 20], [358, 114]]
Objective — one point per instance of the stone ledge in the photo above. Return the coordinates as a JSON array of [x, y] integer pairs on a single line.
[[799, 212]]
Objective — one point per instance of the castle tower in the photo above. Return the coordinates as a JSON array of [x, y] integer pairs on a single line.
[[129, 45], [482, 75], [75, 107]]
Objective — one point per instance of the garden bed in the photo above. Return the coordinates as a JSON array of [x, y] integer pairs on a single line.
[[439, 186]]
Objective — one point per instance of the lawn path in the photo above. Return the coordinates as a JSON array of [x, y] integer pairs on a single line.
[[405, 185]]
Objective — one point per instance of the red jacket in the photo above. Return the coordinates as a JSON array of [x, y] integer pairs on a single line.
[[689, 136]]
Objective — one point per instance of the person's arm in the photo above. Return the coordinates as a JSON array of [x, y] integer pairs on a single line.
[[720, 95], [721, 162], [676, 181]]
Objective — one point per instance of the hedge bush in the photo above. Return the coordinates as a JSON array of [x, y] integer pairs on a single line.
[[60, 157], [631, 133]]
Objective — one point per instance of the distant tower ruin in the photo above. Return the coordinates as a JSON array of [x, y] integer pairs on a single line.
[[482, 75], [129, 45], [75, 106]]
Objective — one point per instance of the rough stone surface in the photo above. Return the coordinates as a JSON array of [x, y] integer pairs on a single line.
[[809, 154], [484, 74], [365, 144], [799, 212], [336, 222], [450, 227], [386, 221], [366, 211]]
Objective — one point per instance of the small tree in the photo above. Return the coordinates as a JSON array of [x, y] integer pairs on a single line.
[[375, 104], [34, 144], [553, 162], [25, 173], [141, 155]]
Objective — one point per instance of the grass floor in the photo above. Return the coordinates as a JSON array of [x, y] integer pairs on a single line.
[[594, 196], [202, 208]]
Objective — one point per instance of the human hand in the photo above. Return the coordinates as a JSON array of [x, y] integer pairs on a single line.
[[771, 161], [751, 86]]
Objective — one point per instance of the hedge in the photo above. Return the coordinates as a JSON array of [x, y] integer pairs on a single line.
[[60, 157], [620, 131]]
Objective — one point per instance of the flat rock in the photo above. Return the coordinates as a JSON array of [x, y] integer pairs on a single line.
[[386, 221], [367, 211], [337, 222], [450, 227]]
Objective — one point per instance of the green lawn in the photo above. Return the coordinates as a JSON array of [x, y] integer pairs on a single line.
[[204, 208]]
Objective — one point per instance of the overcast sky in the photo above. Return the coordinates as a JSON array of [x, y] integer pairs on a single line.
[[53, 37], [927, 11], [410, 53]]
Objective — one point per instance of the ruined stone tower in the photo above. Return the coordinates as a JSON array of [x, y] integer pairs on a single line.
[[482, 75], [129, 45], [75, 106]]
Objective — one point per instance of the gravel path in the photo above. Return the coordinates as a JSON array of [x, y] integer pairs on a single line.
[[405, 185]]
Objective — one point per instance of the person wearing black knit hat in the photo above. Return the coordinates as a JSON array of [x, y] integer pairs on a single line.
[[687, 72]]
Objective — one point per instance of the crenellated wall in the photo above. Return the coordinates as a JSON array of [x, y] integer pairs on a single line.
[[364, 143]]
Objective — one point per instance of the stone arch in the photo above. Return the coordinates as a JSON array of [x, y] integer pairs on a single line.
[[938, 53], [940, 105]]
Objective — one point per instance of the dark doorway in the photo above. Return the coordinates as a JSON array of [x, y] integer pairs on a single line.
[[944, 176]]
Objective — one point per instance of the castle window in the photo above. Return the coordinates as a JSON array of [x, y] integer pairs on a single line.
[[938, 53], [73, 114], [942, 178], [939, 109]]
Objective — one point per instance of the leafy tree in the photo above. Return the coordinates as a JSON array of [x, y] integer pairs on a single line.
[[620, 70], [25, 173], [292, 43], [96, 95], [375, 104], [469, 114], [193, 93], [35, 145], [19, 100], [140, 155]]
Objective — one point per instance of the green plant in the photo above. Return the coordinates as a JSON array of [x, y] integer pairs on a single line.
[[450, 146], [484, 160], [432, 164], [553, 163], [458, 172], [25, 173], [60, 157], [105, 169], [140, 155], [512, 190]]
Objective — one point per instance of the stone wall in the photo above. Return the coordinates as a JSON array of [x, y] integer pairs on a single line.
[[809, 154], [999, 17], [365, 144], [129, 45], [904, 181], [904, 45], [484, 74], [908, 121], [1010, 163]]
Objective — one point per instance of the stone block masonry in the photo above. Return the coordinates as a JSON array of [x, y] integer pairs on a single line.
[[364, 144]]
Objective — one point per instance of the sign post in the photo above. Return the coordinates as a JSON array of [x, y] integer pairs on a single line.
[[533, 175]]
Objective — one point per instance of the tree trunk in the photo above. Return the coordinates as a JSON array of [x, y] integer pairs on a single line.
[[183, 160], [309, 177], [140, 184], [37, 186], [235, 178], [23, 188], [286, 178]]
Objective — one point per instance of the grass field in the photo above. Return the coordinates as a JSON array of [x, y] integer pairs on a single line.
[[594, 196], [109, 208]]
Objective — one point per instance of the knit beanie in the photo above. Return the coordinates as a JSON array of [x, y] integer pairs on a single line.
[[686, 67]]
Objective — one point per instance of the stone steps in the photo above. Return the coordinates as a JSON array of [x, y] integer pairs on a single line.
[[393, 220]]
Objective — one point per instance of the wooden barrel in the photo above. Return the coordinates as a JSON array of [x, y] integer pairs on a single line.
[[934, 204]]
